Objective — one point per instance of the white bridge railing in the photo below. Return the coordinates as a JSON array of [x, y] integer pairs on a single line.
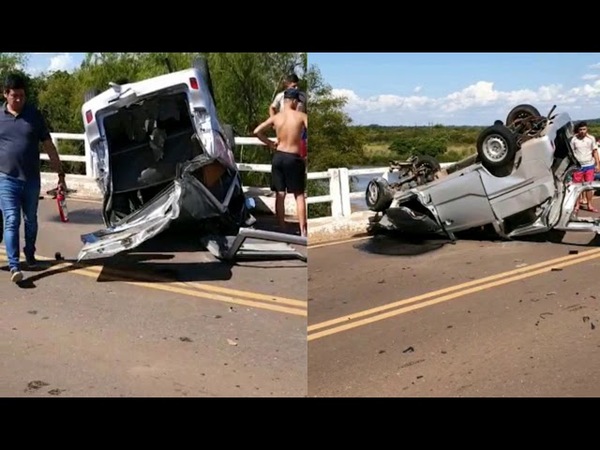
[[339, 179]]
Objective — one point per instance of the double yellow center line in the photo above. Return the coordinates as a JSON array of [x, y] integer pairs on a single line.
[[191, 289], [372, 315]]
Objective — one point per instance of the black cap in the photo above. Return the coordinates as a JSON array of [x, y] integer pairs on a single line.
[[292, 93]]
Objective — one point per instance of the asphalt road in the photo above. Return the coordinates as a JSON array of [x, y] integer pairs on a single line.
[[165, 320], [479, 318]]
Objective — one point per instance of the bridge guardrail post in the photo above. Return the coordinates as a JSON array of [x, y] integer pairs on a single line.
[[335, 192], [346, 205]]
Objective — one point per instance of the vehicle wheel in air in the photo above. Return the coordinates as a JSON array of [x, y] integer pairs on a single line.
[[496, 147], [521, 112], [378, 195], [430, 163]]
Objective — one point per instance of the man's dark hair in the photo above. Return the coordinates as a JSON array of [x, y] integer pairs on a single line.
[[292, 78], [14, 81], [580, 125]]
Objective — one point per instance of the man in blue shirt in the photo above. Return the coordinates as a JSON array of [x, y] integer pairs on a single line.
[[22, 129]]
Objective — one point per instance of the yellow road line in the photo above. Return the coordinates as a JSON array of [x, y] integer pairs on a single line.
[[181, 288], [492, 281], [345, 241]]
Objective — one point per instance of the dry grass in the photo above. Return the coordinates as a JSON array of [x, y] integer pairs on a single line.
[[381, 150], [378, 152]]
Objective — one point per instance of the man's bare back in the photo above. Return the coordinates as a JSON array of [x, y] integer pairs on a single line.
[[288, 167], [289, 125]]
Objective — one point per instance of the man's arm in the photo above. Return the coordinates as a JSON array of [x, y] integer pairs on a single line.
[[50, 149], [259, 132]]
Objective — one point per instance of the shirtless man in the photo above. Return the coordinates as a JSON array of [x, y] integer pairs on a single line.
[[288, 168]]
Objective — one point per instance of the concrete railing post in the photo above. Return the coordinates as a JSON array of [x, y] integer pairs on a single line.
[[89, 171], [344, 177], [335, 192]]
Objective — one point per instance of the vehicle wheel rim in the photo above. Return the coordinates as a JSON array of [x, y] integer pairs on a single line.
[[373, 193], [495, 148]]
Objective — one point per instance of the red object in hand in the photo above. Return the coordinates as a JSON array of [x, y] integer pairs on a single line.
[[61, 201], [304, 144]]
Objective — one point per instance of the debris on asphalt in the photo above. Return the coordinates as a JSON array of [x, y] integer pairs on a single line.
[[381, 281], [59, 257], [32, 312], [411, 363], [380, 352], [556, 269], [521, 265], [218, 316], [551, 293], [444, 352], [543, 315], [56, 391], [408, 350], [593, 297], [449, 326], [573, 252], [586, 319], [593, 326], [34, 385], [232, 342], [185, 339]]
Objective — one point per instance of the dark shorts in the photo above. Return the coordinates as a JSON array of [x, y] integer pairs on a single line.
[[288, 173]]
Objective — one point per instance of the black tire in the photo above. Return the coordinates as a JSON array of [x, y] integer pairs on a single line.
[[201, 64], [521, 112], [378, 195], [496, 147], [90, 94]]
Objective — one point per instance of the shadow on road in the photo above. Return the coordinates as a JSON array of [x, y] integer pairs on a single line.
[[133, 268], [402, 244], [393, 244]]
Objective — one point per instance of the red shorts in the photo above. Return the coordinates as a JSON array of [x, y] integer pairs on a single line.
[[304, 148], [586, 174]]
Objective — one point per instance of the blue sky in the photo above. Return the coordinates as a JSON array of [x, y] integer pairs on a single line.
[[49, 62], [460, 88]]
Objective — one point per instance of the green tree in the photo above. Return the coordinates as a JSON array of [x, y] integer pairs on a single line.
[[332, 141]]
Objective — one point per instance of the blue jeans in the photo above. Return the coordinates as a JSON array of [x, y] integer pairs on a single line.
[[16, 196]]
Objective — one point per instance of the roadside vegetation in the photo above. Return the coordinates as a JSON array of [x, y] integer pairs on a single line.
[[244, 85]]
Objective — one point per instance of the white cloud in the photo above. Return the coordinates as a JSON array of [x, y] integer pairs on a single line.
[[589, 76], [63, 61], [418, 89], [478, 104], [595, 66]]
